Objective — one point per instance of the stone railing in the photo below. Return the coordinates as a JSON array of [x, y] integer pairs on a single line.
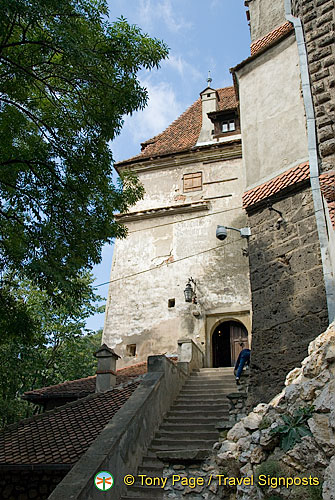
[[190, 356], [120, 446]]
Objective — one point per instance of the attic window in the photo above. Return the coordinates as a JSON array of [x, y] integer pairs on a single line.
[[131, 350], [193, 182], [228, 126]]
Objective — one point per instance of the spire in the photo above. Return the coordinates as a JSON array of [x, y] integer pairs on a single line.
[[209, 79]]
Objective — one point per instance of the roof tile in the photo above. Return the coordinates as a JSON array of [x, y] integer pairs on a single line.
[[64, 434], [273, 186], [270, 38], [183, 133]]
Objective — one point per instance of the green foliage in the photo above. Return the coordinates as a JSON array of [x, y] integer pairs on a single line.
[[60, 349], [294, 428], [67, 77], [269, 468], [264, 424], [310, 492]]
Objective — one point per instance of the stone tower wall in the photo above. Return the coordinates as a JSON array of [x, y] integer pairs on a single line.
[[288, 294], [318, 19]]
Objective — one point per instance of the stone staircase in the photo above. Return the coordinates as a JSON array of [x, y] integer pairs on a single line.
[[188, 431]]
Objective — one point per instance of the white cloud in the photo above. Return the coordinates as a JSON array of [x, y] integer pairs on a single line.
[[163, 107], [184, 68], [161, 11]]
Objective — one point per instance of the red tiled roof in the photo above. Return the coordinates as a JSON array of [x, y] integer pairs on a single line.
[[327, 182], [271, 37], [84, 386], [292, 176], [62, 435], [183, 133]]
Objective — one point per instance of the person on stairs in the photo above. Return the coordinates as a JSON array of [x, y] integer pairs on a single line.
[[243, 359]]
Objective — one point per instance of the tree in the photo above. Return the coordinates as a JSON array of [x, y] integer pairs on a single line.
[[67, 76], [60, 350]]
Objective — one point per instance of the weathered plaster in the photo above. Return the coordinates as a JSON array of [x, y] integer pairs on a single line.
[[272, 113], [174, 248], [265, 15]]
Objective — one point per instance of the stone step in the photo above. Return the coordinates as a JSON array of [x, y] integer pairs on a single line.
[[219, 369], [197, 399], [179, 444], [181, 426], [151, 470], [151, 461], [186, 435], [138, 491], [208, 384], [196, 415], [138, 498], [200, 407]]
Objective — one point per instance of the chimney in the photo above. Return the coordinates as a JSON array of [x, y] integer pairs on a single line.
[[209, 103], [106, 370]]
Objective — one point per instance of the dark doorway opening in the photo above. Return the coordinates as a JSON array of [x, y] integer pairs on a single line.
[[226, 340]]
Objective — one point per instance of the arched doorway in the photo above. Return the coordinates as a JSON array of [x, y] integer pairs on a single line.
[[226, 340]]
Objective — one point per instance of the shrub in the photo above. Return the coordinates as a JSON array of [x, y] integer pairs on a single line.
[[294, 428]]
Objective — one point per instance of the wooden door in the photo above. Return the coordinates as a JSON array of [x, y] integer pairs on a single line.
[[238, 334]]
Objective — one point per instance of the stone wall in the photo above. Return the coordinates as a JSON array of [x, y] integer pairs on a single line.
[[288, 294], [26, 485], [318, 19]]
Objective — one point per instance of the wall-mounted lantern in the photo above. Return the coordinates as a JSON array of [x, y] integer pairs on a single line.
[[189, 291]]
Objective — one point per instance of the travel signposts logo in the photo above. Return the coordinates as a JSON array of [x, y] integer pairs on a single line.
[[103, 481]]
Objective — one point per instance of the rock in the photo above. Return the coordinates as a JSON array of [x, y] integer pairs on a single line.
[[276, 401], [328, 490], [292, 393], [257, 455], [332, 419], [325, 402], [294, 376], [330, 354], [228, 446], [305, 456], [323, 433], [244, 443], [246, 470], [261, 408], [237, 432], [255, 437], [245, 457], [252, 421], [216, 446], [268, 441]]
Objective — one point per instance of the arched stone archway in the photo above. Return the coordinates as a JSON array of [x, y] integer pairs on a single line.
[[226, 340]]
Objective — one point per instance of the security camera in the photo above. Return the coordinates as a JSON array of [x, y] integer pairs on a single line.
[[221, 233]]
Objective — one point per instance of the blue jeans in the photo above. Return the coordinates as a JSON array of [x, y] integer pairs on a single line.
[[244, 359]]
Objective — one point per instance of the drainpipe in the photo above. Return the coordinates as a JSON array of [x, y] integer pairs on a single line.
[[313, 161]]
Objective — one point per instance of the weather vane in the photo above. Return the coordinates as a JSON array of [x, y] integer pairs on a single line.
[[209, 79]]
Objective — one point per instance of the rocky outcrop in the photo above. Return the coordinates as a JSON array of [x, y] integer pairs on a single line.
[[287, 447]]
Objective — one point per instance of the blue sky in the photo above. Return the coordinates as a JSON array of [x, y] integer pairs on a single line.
[[202, 36]]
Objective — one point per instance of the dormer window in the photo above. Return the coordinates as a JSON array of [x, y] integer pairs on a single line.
[[228, 126]]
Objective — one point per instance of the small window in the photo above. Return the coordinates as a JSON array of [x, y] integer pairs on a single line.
[[228, 126], [131, 350], [193, 182], [171, 302]]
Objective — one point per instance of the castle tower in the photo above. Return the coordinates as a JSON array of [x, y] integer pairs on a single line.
[[193, 179], [289, 196]]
